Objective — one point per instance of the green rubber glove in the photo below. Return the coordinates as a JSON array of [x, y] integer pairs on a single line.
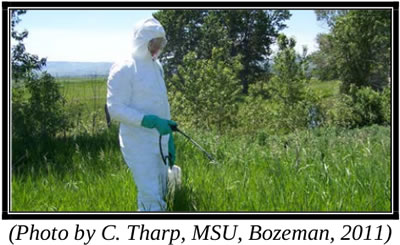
[[171, 150], [162, 125]]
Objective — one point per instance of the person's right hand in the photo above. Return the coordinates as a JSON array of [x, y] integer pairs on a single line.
[[163, 126]]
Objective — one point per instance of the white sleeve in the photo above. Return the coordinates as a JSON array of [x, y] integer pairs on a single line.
[[118, 94]]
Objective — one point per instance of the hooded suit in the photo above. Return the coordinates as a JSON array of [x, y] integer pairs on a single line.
[[136, 88]]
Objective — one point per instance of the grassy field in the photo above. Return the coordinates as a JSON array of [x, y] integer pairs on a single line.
[[324, 169]]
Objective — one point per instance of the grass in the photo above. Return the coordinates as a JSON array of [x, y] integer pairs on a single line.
[[336, 171], [85, 174], [324, 169]]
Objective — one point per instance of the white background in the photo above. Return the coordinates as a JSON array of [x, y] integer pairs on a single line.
[[187, 230]]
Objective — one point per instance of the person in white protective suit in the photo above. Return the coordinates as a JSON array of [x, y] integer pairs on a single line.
[[137, 98]]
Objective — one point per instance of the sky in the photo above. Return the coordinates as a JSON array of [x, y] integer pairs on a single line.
[[105, 35]]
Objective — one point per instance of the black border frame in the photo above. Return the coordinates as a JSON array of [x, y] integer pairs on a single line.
[[6, 214]]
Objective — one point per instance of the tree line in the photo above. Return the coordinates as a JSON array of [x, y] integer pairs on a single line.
[[221, 73]]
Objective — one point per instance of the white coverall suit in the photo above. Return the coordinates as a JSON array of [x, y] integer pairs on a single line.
[[136, 88]]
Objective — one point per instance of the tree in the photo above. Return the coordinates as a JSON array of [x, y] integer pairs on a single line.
[[22, 62], [330, 16], [358, 47], [291, 99], [287, 83], [252, 32], [362, 48], [248, 33], [183, 32], [36, 100], [208, 98], [324, 59]]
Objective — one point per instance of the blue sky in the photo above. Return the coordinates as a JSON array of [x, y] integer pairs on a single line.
[[105, 35]]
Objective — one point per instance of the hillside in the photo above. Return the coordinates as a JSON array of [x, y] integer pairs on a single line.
[[77, 69]]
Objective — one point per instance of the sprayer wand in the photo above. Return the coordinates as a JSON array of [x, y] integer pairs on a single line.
[[176, 129]]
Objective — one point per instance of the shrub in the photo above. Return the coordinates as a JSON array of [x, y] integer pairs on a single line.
[[340, 112], [361, 107], [40, 115]]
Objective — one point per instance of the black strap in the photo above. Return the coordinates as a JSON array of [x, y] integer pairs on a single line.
[[161, 151], [107, 116]]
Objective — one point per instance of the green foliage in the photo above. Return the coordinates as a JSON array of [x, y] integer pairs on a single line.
[[357, 51], [22, 62], [266, 142], [324, 59], [325, 169], [357, 48], [361, 107], [287, 84], [362, 48], [330, 16], [206, 90], [336, 169], [367, 105], [386, 105], [252, 32], [248, 33], [291, 100], [37, 105], [340, 112], [183, 31], [41, 115]]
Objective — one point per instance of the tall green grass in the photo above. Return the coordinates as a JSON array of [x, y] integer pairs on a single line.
[[320, 170], [324, 169]]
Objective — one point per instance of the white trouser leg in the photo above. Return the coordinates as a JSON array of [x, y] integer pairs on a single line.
[[150, 176]]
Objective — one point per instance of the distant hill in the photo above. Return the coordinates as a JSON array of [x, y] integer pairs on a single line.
[[101, 69], [77, 69]]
